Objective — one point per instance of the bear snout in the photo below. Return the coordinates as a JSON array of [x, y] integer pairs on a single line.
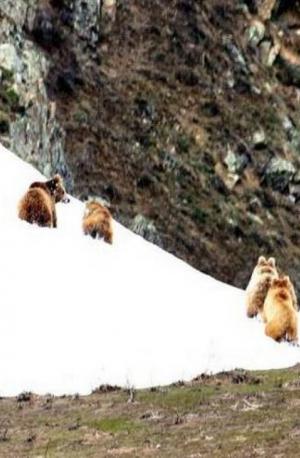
[[65, 199]]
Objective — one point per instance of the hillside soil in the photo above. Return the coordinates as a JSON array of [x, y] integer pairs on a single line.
[[176, 115]]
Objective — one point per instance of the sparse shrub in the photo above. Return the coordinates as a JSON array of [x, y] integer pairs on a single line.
[[183, 144], [4, 123], [199, 215], [25, 396], [12, 98], [80, 117], [7, 75]]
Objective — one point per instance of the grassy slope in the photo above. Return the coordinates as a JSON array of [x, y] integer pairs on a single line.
[[233, 414]]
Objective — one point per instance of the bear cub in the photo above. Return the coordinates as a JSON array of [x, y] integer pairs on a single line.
[[264, 272], [37, 206], [97, 222], [280, 311]]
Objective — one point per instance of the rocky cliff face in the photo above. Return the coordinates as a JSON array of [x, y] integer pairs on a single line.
[[29, 123], [182, 115]]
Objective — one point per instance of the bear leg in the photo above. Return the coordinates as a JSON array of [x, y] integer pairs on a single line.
[[292, 333]]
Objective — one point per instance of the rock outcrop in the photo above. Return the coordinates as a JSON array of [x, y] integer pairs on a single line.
[[33, 132]]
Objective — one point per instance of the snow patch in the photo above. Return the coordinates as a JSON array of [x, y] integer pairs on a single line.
[[77, 312]]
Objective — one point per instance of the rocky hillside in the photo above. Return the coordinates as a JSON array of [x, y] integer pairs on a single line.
[[183, 115]]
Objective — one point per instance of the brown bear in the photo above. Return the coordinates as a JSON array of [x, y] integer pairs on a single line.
[[258, 286], [97, 222], [279, 311], [37, 206]]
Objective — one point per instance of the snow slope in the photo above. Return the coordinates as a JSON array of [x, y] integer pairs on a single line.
[[76, 312]]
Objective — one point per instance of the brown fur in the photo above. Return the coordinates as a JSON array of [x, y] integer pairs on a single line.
[[97, 222], [37, 206], [260, 281], [279, 312], [294, 297]]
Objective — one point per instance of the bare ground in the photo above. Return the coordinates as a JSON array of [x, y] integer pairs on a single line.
[[228, 415]]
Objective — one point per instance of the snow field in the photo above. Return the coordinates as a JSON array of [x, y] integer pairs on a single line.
[[76, 312]]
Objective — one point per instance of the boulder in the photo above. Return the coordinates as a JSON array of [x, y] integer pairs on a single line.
[[9, 59], [146, 228], [279, 173]]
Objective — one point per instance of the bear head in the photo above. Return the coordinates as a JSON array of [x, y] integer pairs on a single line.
[[281, 282], [262, 261], [263, 272], [92, 206], [265, 266], [57, 189]]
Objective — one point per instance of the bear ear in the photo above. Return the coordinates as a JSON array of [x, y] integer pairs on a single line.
[[57, 178], [272, 262], [261, 260], [286, 278]]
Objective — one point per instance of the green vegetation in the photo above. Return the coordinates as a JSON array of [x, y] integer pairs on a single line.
[[232, 414], [7, 75], [80, 117], [12, 98], [199, 215], [182, 399], [114, 425], [184, 143]]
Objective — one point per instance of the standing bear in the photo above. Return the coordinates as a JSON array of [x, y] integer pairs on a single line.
[[280, 311], [37, 206], [97, 222], [260, 281]]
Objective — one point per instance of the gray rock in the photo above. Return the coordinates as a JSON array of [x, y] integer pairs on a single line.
[[296, 178], [231, 161], [231, 180], [294, 190], [235, 53], [294, 139], [293, 134], [254, 204], [35, 134], [255, 219], [287, 123], [146, 228], [9, 59], [17, 10], [259, 138], [87, 20], [256, 32], [235, 163], [268, 53], [279, 173]]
